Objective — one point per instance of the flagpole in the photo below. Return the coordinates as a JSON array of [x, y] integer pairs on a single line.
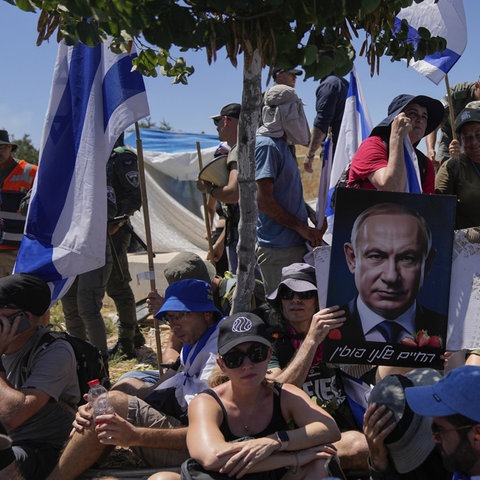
[[451, 113], [205, 209], [148, 236]]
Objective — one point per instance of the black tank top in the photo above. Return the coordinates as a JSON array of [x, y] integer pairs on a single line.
[[277, 422]]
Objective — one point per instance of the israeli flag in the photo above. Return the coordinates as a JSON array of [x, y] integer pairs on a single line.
[[443, 18], [95, 96], [414, 183], [356, 126]]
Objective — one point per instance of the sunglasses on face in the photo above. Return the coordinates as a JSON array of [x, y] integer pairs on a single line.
[[257, 353], [287, 294]]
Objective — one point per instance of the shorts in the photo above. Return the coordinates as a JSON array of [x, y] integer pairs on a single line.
[[141, 414]]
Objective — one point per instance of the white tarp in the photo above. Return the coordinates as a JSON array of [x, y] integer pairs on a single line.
[[175, 205]]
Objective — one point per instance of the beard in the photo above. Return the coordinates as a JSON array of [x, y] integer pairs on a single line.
[[462, 459]]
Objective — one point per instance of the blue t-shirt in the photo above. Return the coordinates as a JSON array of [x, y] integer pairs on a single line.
[[273, 159]]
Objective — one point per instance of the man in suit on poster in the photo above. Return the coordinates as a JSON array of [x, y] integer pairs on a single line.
[[389, 254]]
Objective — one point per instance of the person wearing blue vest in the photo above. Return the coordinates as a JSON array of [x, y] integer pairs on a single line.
[[153, 422]]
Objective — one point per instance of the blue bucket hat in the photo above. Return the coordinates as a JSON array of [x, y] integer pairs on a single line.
[[456, 393], [188, 296], [434, 108]]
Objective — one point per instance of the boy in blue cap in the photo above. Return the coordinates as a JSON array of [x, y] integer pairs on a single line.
[[454, 404]]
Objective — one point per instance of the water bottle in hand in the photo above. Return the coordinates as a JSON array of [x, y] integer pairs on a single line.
[[98, 399]]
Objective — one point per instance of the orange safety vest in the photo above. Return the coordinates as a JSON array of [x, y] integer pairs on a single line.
[[14, 188]]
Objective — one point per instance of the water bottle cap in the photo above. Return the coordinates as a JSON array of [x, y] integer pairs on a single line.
[[96, 381]]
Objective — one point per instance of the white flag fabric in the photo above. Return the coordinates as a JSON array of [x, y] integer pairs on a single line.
[[356, 126], [444, 18], [95, 96]]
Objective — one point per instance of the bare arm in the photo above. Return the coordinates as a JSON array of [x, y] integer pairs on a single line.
[[17, 406], [430, 142], [393, 177], [316, 141], [226, 194], [117, 431], [268, 205], [207, 445], [322, 322]]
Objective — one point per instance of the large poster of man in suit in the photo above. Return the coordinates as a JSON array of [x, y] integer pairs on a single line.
[[390, 271]]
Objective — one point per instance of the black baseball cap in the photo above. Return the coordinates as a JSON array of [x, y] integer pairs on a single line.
[[241, 328], [231, 110], [277, 70], [25, 291]]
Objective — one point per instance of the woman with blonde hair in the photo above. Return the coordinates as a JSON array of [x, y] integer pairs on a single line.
[[249, 425]]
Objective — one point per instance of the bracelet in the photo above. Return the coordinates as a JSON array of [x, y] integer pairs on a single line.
[[211, 190], [310, 155]]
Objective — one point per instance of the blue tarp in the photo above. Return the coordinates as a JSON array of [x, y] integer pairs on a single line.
[[171, 142]]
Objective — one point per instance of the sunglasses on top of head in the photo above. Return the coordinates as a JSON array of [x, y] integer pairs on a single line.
[[256, 353], [288, 294]]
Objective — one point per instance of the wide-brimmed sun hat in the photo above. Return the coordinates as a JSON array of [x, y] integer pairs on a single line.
[[434, 108]]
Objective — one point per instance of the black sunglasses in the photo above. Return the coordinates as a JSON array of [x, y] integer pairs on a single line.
[[257, 353], [216, 121], [287, 294]]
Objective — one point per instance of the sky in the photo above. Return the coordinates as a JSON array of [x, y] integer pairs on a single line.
[[27, 72]]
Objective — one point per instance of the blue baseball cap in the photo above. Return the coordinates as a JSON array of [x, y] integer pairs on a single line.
[[456, 393], [188, 296]]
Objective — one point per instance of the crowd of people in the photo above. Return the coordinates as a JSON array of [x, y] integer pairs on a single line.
[[249, 394]]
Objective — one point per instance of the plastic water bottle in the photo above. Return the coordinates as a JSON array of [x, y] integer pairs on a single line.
[[98, 399]]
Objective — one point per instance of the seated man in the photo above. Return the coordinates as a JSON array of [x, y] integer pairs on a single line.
[[453, 404], [297, 356], [38, 403], [155, 426]]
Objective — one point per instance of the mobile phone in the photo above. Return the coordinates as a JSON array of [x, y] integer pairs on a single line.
[[24, 322]]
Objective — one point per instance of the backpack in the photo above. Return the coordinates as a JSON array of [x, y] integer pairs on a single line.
[[342, 183], [90, 363]]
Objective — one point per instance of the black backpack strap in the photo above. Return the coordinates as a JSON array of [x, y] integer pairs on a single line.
[[42, 342]]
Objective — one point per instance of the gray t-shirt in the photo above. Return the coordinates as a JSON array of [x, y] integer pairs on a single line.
[[54, 372]]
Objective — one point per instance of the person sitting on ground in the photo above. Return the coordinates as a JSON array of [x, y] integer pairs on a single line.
[[8, 466], [38, 397], [380, 162], [453, 402], [152, 422], [297, 356], [249, 424], [400, 441], [189, 265]]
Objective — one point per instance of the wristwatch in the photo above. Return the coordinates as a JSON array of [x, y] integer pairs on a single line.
[[283, 439]]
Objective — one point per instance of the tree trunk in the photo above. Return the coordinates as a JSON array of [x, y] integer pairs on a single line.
[[251, 99]]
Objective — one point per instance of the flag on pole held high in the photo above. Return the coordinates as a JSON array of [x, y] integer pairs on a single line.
[[95, 96], [355, 127], [444, 18]]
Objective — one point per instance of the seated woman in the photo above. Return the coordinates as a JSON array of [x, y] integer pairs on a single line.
[[248, 424]]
